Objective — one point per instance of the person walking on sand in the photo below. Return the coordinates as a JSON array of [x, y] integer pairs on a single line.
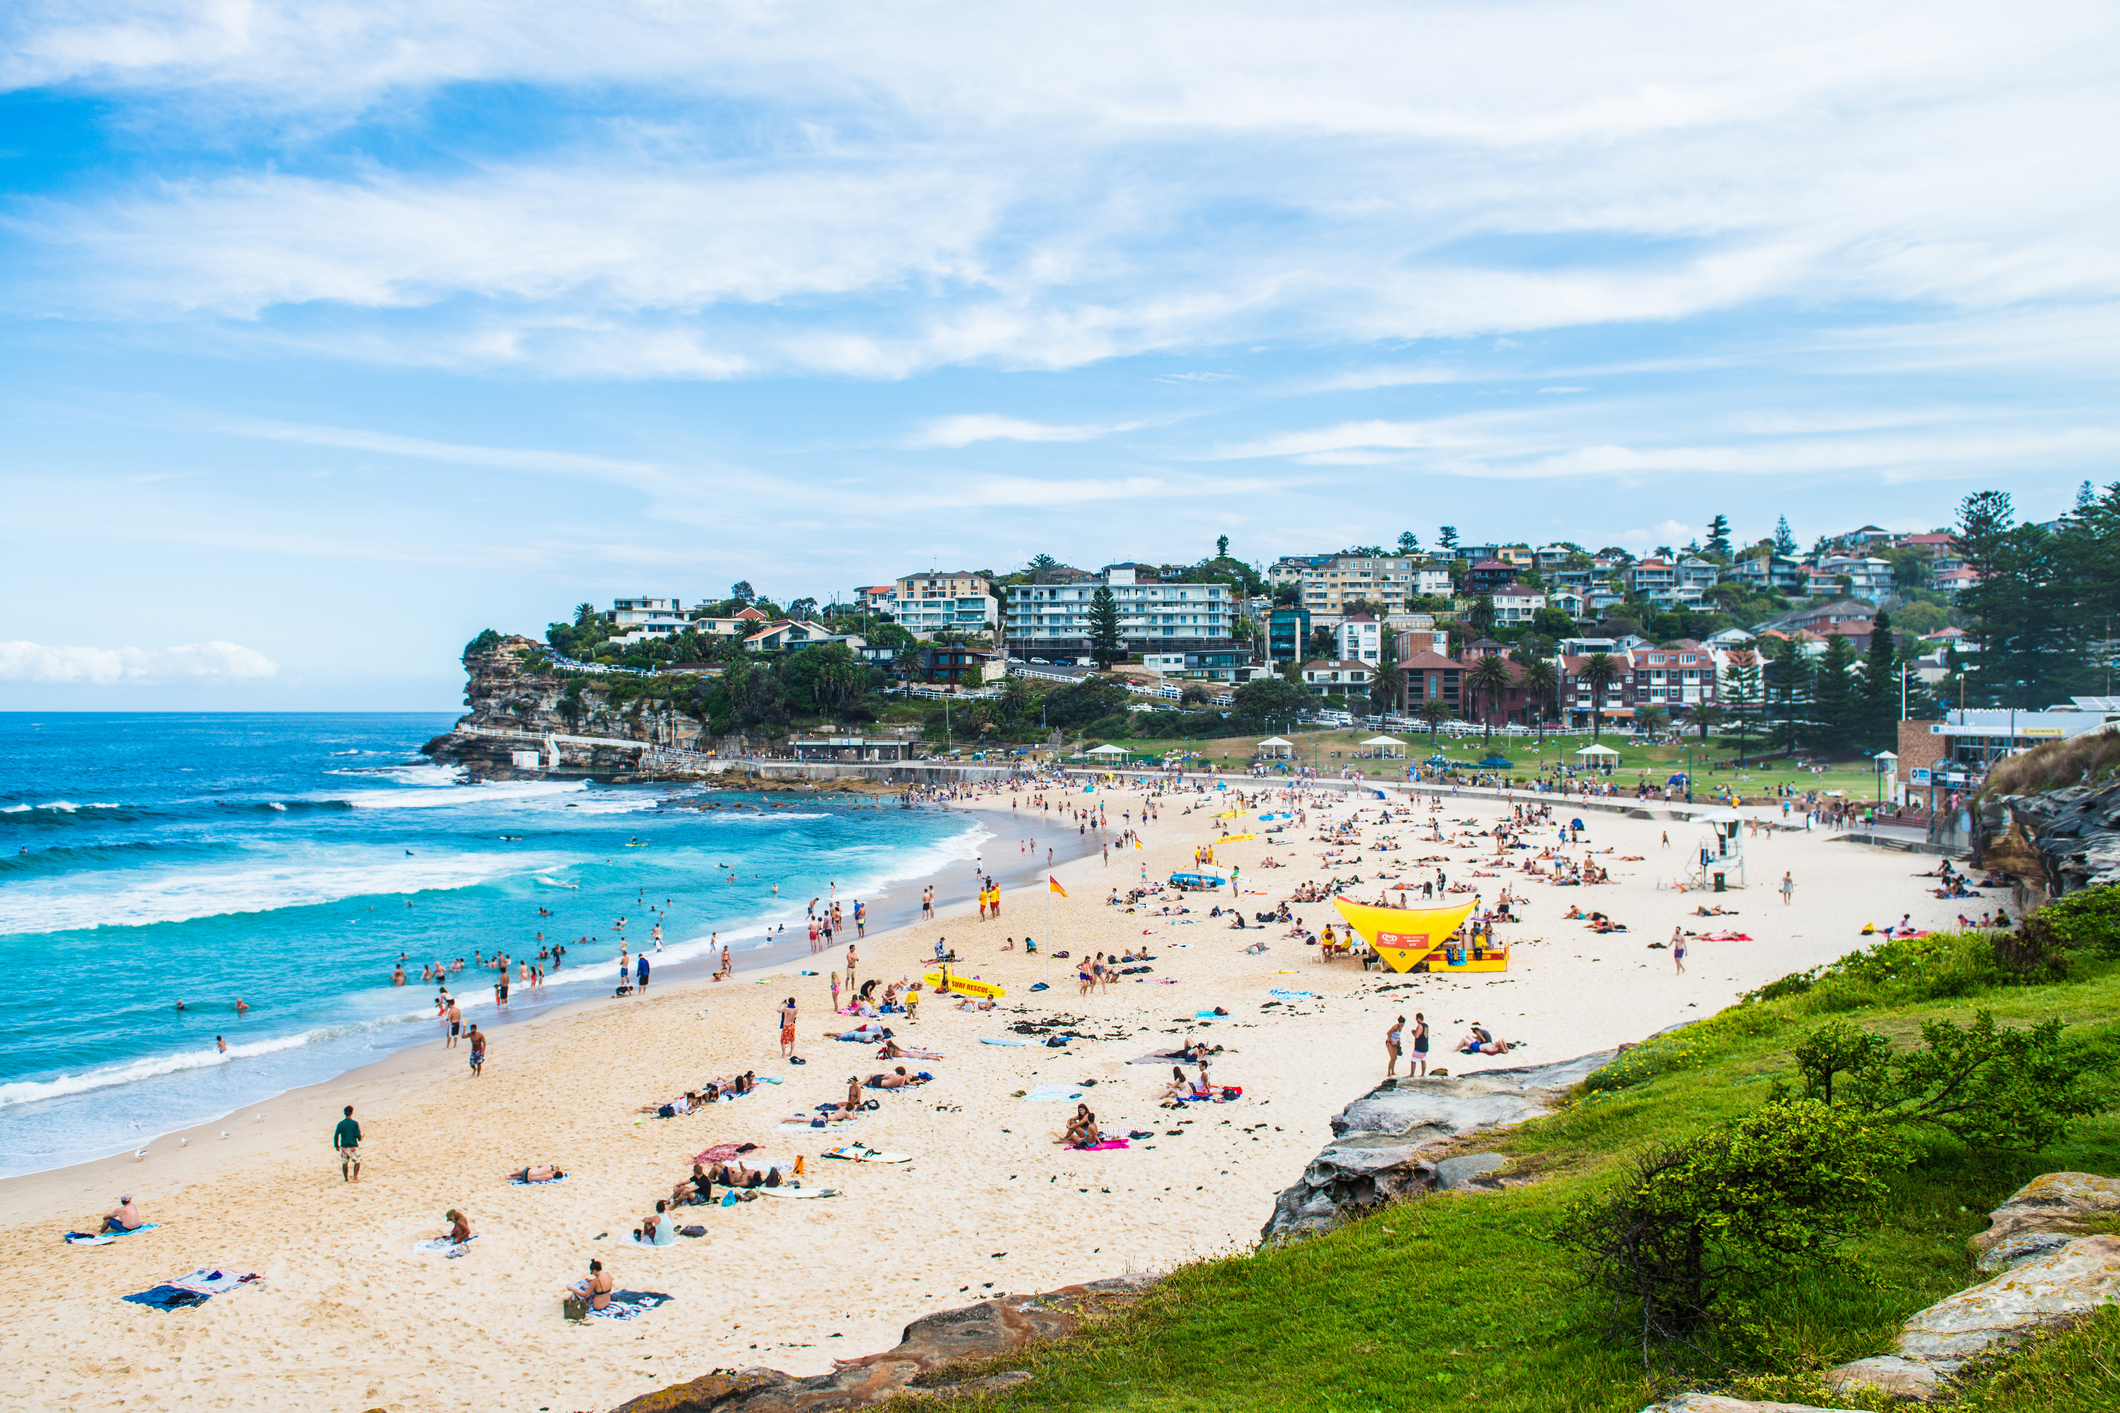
[[1788, 888], [346, 1142], [456, 1024], [1678, 950], [852, 961], [1420, 1044], [478, 1050], [1391, 1047], [787, 1029]]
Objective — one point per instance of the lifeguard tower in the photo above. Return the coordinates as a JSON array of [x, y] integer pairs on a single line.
[[1719, 859]]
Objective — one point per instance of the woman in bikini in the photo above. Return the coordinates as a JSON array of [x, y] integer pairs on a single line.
[[1391, 1047]]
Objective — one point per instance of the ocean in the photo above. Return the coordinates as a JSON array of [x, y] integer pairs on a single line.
[[288, 861]]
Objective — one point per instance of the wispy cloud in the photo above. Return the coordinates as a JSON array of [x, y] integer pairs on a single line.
[[110, 667], [423, 449], [966, 428]]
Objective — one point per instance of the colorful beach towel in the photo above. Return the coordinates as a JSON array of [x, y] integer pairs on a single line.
[[631, 1304], [105, 1238], [540, 1182], [1282, 995], [1100, 1147], [862, 1153]]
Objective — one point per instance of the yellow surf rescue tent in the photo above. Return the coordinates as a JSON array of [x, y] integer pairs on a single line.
[[1419, 938]]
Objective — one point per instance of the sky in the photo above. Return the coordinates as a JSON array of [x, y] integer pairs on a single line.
[[332, 333]]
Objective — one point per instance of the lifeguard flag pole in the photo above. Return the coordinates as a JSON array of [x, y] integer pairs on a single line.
[[1052, 886]]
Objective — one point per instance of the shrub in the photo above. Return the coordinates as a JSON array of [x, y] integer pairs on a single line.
[[1699, 1229], [2087, 922], [1983, 1084], [485, 642]]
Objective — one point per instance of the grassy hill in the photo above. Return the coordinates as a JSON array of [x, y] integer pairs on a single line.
[[1459, 1302]]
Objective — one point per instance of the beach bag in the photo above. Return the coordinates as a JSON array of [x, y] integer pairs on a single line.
[[667, 1111], [574, 1308], [691, 1231]]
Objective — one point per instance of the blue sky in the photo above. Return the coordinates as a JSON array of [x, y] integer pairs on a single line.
[[331, 333]]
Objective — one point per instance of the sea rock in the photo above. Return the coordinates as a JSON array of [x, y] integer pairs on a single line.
[[2044, 1215], [2069, 839], [1382, 1141], [1468, 1169], [1718, 1403], [1991, 1317], [968, 1333]]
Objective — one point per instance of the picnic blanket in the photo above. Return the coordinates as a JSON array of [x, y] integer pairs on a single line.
[[722, 1152], [631, 1304], [105, 1238]]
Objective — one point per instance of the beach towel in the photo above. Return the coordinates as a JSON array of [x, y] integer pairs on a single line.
[[631, 1304], [991, 1040], [630, 1239], [166, 1297], [861, 1153], [1055, 1094], [208, 1280], [443, 1245], [722, 1152], [797, 1191], [105, 1238], [1280, 995], [1100, 1147], [1725, 937]]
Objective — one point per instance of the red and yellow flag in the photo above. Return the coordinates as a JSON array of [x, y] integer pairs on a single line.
[[1054, 884]]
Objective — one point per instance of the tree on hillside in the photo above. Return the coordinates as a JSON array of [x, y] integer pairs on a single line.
[[1265, 699], [1784, 538], [1481, 615], [1835, 708], [584, 614], [1787, 681], [1409, 543], [1719, 536], [1387, 685], [1221, 547], [1707, 716], [1880, 688], [1105, 641], [742, 592], [1599, 671], [1447, 537], [1742, 695], [1490, 678]]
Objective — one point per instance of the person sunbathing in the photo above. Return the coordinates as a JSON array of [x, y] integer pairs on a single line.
[[595, 1292], [1480, 1041], [1178, 1087], [125, 1218], [896, 1079], [976, 1003], [537, 1172]]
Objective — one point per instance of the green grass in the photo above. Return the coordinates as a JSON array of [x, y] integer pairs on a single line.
[[1461, 1302]]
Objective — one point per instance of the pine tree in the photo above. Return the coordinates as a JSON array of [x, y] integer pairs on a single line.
[[1784, 540], [1106, 642], [1742, 696], [1836, 707], [1448, 537], [1880, 688], [1719, 536]]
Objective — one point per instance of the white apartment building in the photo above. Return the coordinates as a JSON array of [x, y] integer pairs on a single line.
[[1334, 678], [962, 602], [1514, 604], [1196, 619], [1358, 638], [1346, 579], [630, 613]]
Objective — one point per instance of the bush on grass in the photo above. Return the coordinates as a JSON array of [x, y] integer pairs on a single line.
[[2086, 922], [1702, 1228], [1986, 1085]]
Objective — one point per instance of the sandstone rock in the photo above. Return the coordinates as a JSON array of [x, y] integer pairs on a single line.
[[1378, 1151], [1459, 1171], [2044, 1215], [968, 1333], [1717, 1403], [1992, 1317]]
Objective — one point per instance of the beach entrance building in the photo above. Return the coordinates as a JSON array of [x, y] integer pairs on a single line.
[[854, 748]]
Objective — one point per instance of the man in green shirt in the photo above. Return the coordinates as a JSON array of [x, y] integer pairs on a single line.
[[346, 1140]]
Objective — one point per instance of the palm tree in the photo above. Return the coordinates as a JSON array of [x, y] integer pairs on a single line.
[[1543, 685], [584, 614], [1706, 715], [1435, 714], [1599, 672], [1387, 684], [1649, 720], [1491, 678]]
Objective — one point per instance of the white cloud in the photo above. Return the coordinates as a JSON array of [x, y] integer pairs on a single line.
[[107, 667], [419, 448], [966, 428]]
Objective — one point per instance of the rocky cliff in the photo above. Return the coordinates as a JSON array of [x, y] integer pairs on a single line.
[[518, 701], [2059, 841]]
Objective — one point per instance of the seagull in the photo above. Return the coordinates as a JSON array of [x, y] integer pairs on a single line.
[[183, 1143], [138, 1154], [224, 1133]]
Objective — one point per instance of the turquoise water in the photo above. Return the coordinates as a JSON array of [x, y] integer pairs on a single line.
[[289, 860]]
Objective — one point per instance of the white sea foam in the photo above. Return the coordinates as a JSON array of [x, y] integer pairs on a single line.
[[443, 795], [16, 809], [30, 1091], [252, 886], [276, 805]]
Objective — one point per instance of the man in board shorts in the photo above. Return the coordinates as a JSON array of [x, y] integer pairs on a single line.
[[346, 1142], [456, 1024]]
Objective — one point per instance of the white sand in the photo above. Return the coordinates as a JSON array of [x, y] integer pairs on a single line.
[[350, 1318]]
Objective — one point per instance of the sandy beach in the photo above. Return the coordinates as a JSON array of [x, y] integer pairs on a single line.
[[349, 1316]]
